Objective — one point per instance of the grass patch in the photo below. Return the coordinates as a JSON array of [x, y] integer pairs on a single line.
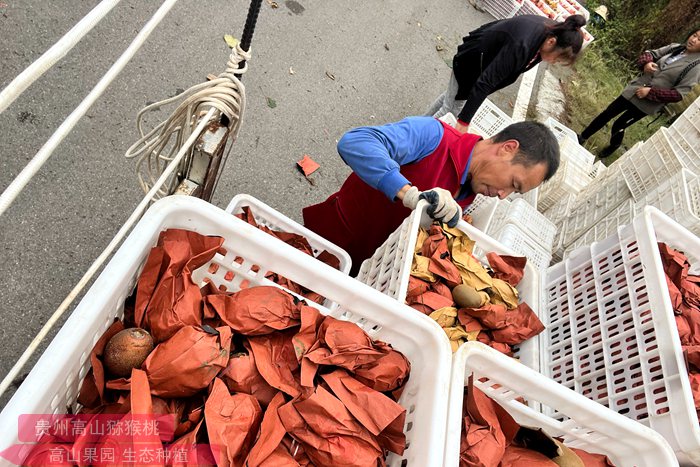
[[596, 81]]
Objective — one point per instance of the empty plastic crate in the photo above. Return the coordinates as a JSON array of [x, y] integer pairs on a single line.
[[653, 163], [53, 383], [526, 217], [560, 209], [585, 425], [686, 143], [389, 269], [560, 130], [570, 178], [608, 225], [610, 330], [483, 209], [594, 202], [598, 170], [679, 198], [571, 151], [488, 120], [523, 244]]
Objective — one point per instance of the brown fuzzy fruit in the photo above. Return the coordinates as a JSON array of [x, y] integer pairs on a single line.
[[127, 349], [466, 296]]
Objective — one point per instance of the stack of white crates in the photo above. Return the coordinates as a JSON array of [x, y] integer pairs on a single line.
[[661, 172], [516, 224]]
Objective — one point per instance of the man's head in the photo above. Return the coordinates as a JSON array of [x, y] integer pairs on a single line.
[[517, 159]]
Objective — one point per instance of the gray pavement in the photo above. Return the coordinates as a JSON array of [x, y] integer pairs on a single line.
[[383, 55]]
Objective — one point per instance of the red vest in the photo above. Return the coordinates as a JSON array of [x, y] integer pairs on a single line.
[[359, 218]]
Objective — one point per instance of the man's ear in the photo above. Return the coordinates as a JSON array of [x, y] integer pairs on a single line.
[[510, 148]]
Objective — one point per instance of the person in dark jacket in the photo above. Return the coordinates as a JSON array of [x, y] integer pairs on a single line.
[[396, 165], [494, 55], [668, 73]]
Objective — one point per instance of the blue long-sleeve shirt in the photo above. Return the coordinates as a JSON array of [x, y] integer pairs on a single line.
[[376, 153]]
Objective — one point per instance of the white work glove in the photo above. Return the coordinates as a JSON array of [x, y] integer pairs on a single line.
[[443, 207]]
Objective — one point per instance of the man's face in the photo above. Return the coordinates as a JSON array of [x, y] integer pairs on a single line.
[[500, 177]]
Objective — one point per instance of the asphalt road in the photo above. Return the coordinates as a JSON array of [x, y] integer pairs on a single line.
[[388, 59]]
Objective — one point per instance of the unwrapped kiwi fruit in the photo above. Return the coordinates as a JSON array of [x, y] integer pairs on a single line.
[[126, 350]]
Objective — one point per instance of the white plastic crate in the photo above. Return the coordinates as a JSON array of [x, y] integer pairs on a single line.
[[587, 425], [560, 130], [526, 218], [573, 152], [594, 202], [610, 331], [488, 120], [570, 178], [499, 9], [530, 196], [275, 220], [483, 209], [653, 163], [598, 170], [523, 244], [679, 198], [53, 383], [449, 118], [389, 269], [560, 209], [608, 225], [686, 143]]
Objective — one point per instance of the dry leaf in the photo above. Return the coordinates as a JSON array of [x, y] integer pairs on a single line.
[[330, 75], [439, 48], [386, 46], [291, 71]]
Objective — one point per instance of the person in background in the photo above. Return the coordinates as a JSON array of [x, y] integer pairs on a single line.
[[397, 164], [494, 55], [668, 73]]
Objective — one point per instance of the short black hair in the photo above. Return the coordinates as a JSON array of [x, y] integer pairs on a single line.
[[692, 31], [537, 145]]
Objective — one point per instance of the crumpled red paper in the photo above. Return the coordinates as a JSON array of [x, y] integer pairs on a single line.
[[166, 297], [257, 310], [188, 361], [328, 432], [508, 268], [92, 390], [684, 291], [276, 360], [242, 375], [233, 421]]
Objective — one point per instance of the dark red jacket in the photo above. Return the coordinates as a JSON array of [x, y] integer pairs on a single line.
[[359, 218]]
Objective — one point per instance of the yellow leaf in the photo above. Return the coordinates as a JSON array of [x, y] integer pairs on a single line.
[[231, 41]]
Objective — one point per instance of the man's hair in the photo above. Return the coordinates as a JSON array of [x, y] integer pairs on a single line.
[[537, 145]]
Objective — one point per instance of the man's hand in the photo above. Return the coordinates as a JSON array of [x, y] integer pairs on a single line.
[[651, 68], [461, 126], [642, 92], [443, 207]]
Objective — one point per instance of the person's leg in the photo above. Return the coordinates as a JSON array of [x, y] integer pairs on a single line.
[[448, 104], [617, 134], [435, 106], [615, 108]]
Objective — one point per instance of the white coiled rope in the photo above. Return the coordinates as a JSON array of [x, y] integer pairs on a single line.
[[155, 149]]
